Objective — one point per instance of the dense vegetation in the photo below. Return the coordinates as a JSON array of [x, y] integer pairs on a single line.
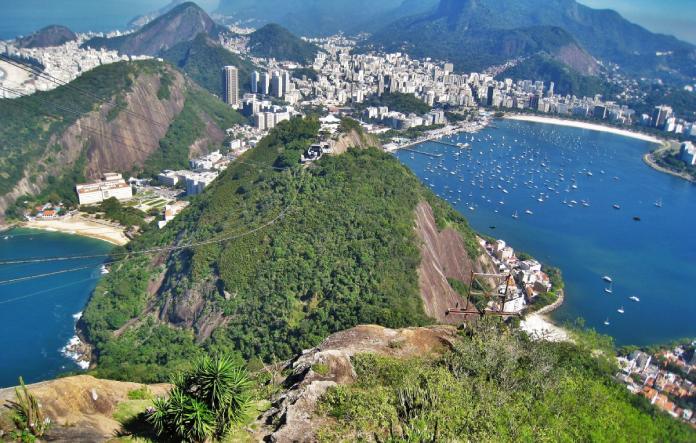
[[344, 253], [309, 73], [274, 41], [189, 126], [203, 59], [495, 385], [112, 209], [567, 80], [400, 102]]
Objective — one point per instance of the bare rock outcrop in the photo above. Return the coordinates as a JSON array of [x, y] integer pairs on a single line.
[[81, 408], [292, 417], [443, 255]]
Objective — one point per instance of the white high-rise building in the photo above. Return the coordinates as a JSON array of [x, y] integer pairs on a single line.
[[255, 82], [230, 85]]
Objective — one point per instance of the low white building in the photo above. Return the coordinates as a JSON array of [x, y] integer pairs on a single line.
[[112, 185], [196, 183]]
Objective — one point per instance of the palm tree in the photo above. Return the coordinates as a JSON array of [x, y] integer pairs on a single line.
[[205, 402]]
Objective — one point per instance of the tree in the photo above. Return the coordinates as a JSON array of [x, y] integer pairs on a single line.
[[205, 402]]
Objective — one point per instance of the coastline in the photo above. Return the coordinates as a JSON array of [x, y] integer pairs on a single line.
[[649, 159], [77, 225], [584, 125]]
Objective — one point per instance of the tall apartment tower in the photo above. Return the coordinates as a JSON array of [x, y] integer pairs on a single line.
[[230, 85], [276, 84], [285, 75], [265, 83], [255, 82]]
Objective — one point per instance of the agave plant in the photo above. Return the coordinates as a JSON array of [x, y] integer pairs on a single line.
[[205, 401], [27, 413]]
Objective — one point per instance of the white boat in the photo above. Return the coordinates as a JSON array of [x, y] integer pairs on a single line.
[[620, 310], [658, 203], [528, 212], [616, 206], [609, 289], [515, 215], [104, 270], [607, 279], [634, 298], [606, 322]]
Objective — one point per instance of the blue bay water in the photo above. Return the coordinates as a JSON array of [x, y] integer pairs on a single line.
[[26, 16], [36, 316], [653, 259]]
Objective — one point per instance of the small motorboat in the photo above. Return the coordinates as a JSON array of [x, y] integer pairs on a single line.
[[636, 218], [606, 322], [615, 206], [620, 310], [607, 279], [634, 298]]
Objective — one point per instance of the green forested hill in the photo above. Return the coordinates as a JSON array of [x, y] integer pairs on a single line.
[[567, 80], [274, 41], [345, 253], [203, 59]]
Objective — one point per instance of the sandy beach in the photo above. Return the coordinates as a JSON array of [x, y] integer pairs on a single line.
[[584, 125], [14, 76], [78, 225], [539, 327]]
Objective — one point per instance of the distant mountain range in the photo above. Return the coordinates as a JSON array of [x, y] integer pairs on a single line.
[[183, 23], [53, 35], [323, 17], [477, 33]]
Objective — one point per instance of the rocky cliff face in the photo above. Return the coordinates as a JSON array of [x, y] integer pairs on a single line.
[[292, 418], [81, 408], [113, 137]]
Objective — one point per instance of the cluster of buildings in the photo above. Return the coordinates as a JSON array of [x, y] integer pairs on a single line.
[[663, 379], [264, 113], [537, 97], [524, 279], [111, 185], [47, 211], [204, 170], [63, 63], [398, 120]]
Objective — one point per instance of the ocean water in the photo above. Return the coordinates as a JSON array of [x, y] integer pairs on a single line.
[[653, 259], [37, 316], [26, 16]]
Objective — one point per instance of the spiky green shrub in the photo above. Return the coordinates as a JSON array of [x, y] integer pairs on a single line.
[[27, 414], [205, 402]]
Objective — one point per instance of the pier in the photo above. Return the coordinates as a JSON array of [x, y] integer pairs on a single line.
[[447, 144], [429, 154]]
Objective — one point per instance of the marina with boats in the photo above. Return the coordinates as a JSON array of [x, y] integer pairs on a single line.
[[536, 184]]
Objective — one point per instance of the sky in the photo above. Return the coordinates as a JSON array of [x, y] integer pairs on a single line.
[[674, 17]]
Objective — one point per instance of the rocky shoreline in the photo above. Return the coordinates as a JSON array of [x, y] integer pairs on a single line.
[[77, 348]]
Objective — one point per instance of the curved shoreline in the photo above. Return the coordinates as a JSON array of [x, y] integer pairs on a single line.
[[584, 125], [76, 225], [649, 159]]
